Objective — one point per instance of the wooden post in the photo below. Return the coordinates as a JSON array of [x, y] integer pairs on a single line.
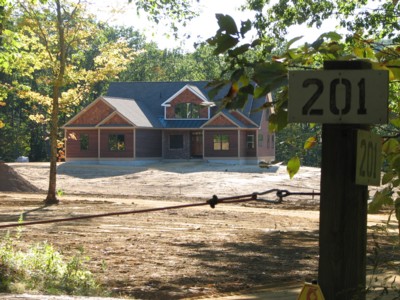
[[343, 209]]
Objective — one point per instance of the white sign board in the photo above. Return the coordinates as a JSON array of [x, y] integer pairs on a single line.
[[338, 96], [369, 151]]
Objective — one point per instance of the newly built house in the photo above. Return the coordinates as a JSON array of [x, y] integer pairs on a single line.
[[137, 122]]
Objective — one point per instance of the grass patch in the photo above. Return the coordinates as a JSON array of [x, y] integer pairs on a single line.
[[42, 269]]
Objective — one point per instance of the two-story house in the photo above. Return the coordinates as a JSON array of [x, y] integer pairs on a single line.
[[139, 122]]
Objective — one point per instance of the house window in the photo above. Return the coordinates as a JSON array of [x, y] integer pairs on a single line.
[[187, 111], [250, 141], [84, 141], [116, 142], [176, 141], [221, 142]]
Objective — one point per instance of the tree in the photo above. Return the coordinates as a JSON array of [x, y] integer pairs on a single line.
[[373, 34], [154, 64], [57, 34]]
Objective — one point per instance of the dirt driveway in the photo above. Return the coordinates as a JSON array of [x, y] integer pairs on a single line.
[[181, 253]]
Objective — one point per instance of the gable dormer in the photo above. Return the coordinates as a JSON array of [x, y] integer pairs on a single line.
[[187, 104]]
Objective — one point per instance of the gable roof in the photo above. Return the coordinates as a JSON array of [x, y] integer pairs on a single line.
[[134, 112], [142, 104], [194, 89]]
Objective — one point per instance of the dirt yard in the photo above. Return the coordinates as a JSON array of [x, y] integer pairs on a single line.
[[180, 253]]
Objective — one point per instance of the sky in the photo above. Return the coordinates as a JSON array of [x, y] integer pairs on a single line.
[[200, 28]]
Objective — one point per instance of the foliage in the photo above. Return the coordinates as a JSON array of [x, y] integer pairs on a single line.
[[373, 35], [52, 73], [171, 12], [299, 140], [41, 268], [154, 64]]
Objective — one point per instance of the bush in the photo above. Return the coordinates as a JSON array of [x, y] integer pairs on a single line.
[[41, 268]]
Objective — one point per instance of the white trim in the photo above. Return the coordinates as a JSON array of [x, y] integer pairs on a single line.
[[189, 87], [216, 116]]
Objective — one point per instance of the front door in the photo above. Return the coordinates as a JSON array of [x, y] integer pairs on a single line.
[[196, 144]]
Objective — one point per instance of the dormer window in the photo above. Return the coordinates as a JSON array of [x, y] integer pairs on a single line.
[[187, 111]]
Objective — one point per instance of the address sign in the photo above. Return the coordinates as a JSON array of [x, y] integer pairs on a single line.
[[338, 96], [368, 165]]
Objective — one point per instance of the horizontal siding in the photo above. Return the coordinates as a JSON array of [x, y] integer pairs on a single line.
[[148, 143], [105, 152], [73, 145]]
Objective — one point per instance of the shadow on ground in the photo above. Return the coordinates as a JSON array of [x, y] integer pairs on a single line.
[[278, 258]]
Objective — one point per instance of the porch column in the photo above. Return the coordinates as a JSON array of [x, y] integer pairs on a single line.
[[98, 144]]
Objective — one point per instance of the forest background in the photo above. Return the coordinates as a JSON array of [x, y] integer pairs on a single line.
[[25, 115]]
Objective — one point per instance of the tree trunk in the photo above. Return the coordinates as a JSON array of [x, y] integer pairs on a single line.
[[58, 82], [52, 191]]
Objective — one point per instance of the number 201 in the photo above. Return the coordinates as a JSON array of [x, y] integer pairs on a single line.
[[333, 107]]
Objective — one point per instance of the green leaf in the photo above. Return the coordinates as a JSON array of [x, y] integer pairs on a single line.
[[260, 91], [380, 199], [387, 177], [390, 146], [246, 26], [278, 121], [224, 42], [292, 41], [311, 142], [238, 50], [293, 166], [272, 73], [395, 122], [226, 23], [395, 162], [332, 35], [397, 209], [394, 67], [247, 89]]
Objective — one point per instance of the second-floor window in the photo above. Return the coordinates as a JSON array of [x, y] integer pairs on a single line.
[[187, 111]]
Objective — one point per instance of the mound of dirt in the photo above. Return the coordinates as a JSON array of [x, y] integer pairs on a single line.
[[11, 181]]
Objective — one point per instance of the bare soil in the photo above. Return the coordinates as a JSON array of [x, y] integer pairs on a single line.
[[176, 253]]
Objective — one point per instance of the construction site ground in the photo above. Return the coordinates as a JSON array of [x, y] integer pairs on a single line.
[[234, 251]]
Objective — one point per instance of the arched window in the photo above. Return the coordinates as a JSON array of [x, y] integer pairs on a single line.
[[187, 111]]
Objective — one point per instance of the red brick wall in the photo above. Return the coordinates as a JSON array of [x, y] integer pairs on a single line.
[[105, 152], [94, 114], [186, 97], [220, 121], [116, 120], [73, 145]]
